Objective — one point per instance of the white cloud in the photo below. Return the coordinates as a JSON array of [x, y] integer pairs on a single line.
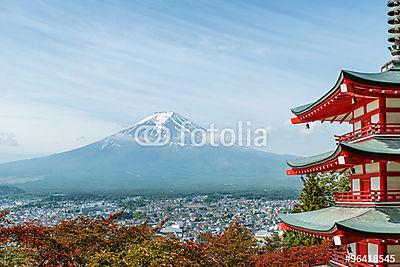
[[45, 129], [72, 69], [8, 139]]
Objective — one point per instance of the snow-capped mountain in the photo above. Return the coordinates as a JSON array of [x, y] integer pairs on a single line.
[[119, 163], [160, 128]]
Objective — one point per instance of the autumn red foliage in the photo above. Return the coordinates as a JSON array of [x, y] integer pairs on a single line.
[[105, 242], [306, 256]]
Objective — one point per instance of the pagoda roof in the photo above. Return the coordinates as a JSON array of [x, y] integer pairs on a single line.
[[307, 161], [356, 84], [327, 221], [387, 78], [373, 148]]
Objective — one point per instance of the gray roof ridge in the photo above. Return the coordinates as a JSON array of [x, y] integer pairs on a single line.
[[349, 219], [328, 155]]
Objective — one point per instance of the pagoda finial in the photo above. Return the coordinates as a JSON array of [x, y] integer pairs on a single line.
[[394, 34], [394, 28]]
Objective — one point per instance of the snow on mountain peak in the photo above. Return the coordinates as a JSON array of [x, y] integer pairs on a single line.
[[157, 126], [158, 117]]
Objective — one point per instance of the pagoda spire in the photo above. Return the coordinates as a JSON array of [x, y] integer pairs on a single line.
[[394, 29], [394, 34]]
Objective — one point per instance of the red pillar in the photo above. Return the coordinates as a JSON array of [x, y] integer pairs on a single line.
[[383, 175], [382, 111], [362, 248], [382, 165], [382, 251]]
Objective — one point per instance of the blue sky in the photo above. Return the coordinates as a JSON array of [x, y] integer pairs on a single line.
[[72, 72]]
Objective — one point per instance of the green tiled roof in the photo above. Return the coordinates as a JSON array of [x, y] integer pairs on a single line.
[[301, 109], [303, 162], [378, 220], [387, 78], [375, 146], [367, 220], [323, 220]]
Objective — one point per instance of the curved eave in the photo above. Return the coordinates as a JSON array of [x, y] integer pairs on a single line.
[[379, 222], [321, 234], [305, 108], [384, 82], [313, 160], [320, 163], [321, 222], [375, 148]]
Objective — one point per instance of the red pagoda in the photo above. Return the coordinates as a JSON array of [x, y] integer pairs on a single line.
[[365, 222]]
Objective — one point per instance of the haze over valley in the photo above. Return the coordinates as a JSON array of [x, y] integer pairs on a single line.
[[118, 163]]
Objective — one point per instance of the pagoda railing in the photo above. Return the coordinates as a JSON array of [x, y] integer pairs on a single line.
[[369, 130], [372, 197]]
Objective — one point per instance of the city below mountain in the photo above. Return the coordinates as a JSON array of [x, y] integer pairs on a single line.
[[119, 163]]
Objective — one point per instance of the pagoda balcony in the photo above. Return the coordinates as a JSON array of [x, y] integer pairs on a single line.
[[369, 131], [368, 198]]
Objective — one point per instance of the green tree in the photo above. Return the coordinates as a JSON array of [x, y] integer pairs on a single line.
[[313, 194], [318, 190], [317, 193]]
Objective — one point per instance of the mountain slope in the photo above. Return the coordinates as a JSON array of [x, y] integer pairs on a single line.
[[118, 163]]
